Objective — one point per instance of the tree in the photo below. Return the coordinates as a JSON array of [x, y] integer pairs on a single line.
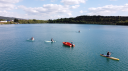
[[16, 20]]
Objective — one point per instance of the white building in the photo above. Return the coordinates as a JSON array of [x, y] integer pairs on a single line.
[[3, 21]]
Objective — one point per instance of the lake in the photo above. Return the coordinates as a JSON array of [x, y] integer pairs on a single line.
[[18, 54]]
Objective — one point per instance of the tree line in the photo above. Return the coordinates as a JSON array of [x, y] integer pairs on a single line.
[[85, 19], [33, 21]]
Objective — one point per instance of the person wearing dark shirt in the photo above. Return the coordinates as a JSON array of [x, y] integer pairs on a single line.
[[108, 54], [52, 40]]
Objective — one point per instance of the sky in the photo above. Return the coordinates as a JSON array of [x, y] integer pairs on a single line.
[[56, 9]]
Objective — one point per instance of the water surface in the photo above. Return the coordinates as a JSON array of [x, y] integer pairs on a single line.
[[18, 54]]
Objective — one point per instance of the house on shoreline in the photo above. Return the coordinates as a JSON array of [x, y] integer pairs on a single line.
[[6, 21], [1, 22]]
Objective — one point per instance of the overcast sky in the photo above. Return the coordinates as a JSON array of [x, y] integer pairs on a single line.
[[54, 9]]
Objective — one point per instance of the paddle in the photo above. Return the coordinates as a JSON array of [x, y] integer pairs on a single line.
[[110, 52]]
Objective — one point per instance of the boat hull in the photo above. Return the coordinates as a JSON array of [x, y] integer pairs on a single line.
[[68, 44]]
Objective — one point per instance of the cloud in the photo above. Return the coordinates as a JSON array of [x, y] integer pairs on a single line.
[[48, 10], [9, 1], [81, 11], [53, 0], [108, 9], [7, 4], [71, 2], [76, 6], [8, 14]]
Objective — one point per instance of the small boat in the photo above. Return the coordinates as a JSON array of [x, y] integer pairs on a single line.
[[68, 44], [109, 57]]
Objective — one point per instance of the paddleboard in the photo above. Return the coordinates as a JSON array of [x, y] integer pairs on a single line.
[[109, 57], [50, 41], [29, 40]]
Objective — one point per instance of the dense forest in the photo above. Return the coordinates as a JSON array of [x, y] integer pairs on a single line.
[[85, 19], [34, 21]]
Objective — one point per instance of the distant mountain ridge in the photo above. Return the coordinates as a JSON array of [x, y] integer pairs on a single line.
[[9, 18]]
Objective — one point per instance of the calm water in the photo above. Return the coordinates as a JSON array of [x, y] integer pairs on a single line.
[[18, 54]]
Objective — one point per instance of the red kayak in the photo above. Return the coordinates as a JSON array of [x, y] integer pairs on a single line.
[[68, 44]]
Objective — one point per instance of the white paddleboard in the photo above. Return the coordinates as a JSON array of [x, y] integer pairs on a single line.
[[29, 40], [50, 41]]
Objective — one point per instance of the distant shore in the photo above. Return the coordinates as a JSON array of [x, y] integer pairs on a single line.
[[85, 19]]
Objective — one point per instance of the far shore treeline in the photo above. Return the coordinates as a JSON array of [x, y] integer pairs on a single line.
[[34, 21], [84, 19]]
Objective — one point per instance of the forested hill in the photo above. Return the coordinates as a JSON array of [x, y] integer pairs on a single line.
[[8, 18], [115, 20]]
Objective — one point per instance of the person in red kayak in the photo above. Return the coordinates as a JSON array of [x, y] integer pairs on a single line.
[[108, 54]]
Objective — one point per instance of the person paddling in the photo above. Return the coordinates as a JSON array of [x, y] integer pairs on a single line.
[[52, 40], [32, 38], [108, 54], [72, 43]]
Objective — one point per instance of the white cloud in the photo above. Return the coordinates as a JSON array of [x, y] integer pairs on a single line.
[[125, 7], [48, 10], [53, 0], [8, 4], [8, 14], [108, 9], [81, 11], [76, 6], [71, 2], [9, 1]]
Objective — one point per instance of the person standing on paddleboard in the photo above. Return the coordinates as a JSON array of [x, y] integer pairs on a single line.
[[79, 31], [52, 40], [32, 38], [108, 54]]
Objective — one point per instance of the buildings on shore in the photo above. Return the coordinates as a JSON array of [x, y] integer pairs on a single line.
[[1, 22]]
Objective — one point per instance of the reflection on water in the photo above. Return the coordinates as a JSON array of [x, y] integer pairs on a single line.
[[68, 47], [107, 59]]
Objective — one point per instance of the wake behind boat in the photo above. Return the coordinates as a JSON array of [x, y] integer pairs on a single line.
[[109, 57]]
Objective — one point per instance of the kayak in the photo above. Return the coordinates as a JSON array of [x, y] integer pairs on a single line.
[[68, 44], [109, 57], [50, 41]]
